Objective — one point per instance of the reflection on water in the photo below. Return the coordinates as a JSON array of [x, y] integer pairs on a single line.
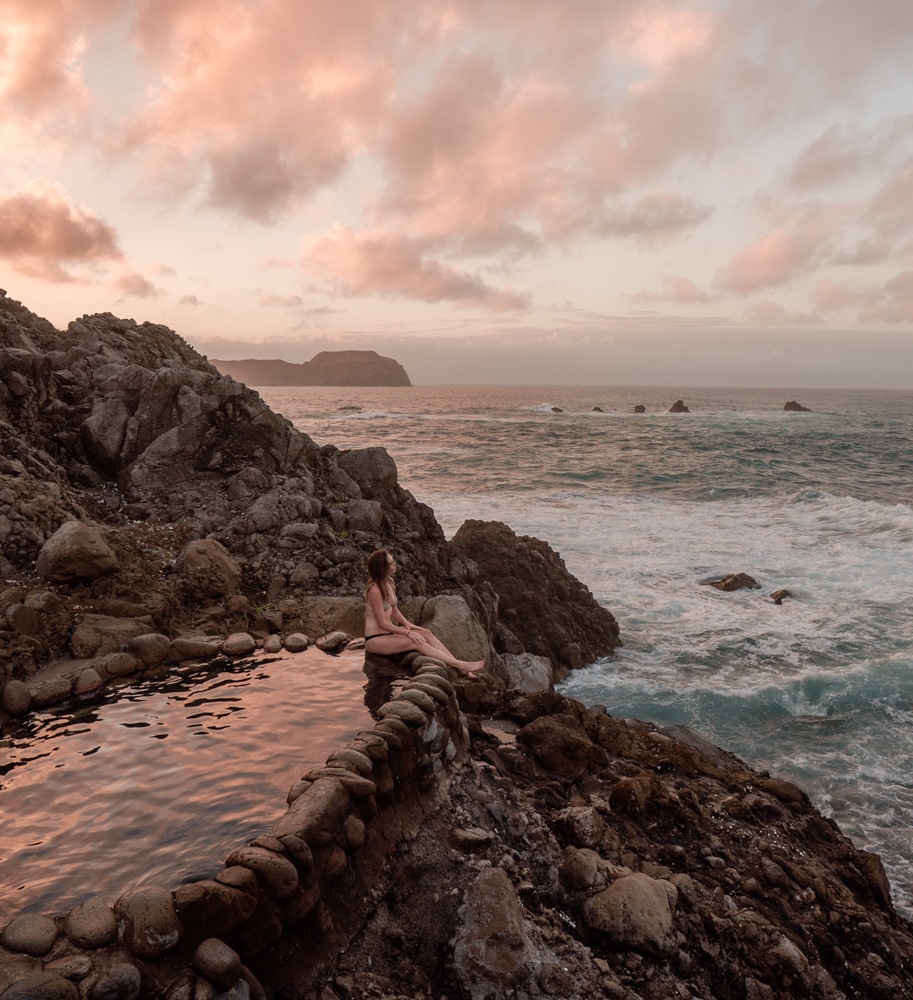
[[161, 779]]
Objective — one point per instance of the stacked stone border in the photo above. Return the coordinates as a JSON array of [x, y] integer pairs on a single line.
[[284, 901], [153, 649]]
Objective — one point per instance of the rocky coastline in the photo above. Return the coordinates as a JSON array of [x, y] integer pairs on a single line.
[[488, 838]]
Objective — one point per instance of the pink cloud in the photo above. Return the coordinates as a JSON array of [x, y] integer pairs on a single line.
[[395, 266], [280, 301], [42, 233], [796, 244], [833, 156], [773, 259], [897, 304], [135, 285], [652, 217], [677, 289], [891, 210], [769, 313], [831, 295], [42, 48], [261, 104]]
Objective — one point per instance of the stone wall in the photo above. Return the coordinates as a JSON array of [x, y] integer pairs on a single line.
[[282, 902]]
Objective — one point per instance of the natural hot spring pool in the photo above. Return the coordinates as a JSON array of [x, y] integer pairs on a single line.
[[162, 778]]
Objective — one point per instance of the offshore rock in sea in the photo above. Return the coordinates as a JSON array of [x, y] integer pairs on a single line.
[[679, 407], [732, 581], [794, 407]]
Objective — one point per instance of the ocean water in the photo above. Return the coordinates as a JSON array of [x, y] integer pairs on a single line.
[[818, 690]]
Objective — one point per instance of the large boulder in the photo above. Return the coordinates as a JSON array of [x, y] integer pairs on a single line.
[[317, 615], [494, 953], [208, 568], [76, 552], [372, 468], [635, 912], [527, 672], [548, 609], [450, 619]]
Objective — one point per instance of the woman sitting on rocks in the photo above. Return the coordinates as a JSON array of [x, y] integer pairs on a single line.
[[387, 632]]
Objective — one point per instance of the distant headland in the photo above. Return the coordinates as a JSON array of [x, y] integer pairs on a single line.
[[325, 368]]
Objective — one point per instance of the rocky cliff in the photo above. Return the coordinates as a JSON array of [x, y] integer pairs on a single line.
[[326, 368], [124, 428]]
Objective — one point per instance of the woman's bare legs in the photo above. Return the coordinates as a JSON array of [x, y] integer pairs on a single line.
[[385, 645]]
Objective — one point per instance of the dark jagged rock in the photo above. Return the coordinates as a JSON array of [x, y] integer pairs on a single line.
[[793, 407], [326, 368], [640, 408], [732, 581], [542, 605], [679, 407], [125, 425]]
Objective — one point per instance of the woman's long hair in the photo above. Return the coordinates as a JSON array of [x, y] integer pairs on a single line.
[[379, 572]]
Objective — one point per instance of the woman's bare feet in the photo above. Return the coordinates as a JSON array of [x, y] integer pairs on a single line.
[[468, 668]]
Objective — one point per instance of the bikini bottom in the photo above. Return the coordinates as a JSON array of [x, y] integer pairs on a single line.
[[377, 635]]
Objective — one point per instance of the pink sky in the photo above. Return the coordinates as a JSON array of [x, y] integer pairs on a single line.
[[612, 192]]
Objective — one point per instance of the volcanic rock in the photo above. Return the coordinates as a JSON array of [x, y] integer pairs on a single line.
[[151, 923], [732, 581], [493, 952], [208, 568], [91, 924], [549, 611], [30, 933], [527, 672], [635, 912], [76, 551]]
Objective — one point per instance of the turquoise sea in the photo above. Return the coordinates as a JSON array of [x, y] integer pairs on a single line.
[[642, 507]]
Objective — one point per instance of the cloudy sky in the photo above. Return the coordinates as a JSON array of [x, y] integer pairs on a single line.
[[545, 191]]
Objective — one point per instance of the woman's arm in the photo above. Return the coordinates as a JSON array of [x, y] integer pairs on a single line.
[[383, 618], [416, 630]]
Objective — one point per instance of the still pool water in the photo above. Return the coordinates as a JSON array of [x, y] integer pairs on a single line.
[[161, 779]]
